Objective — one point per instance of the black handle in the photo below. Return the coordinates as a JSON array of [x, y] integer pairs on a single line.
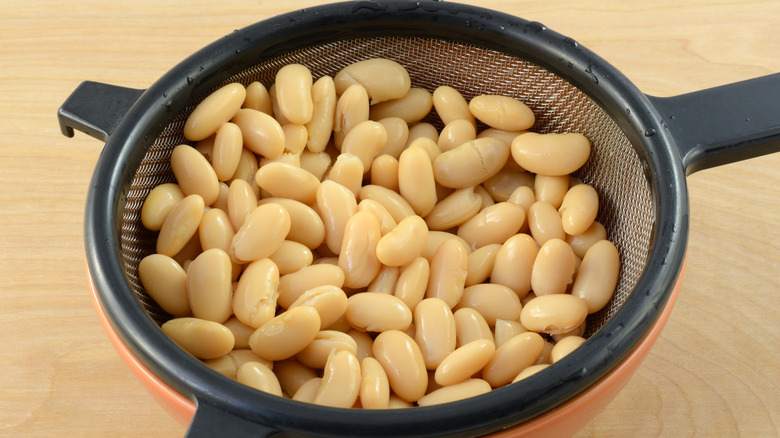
[[724, 124], [211, 421], [96, 109]]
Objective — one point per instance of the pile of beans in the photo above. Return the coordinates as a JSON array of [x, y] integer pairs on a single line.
[[324, 243]]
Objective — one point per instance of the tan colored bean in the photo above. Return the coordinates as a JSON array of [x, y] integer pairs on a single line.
[[254, 300], [524, 197], [505, 136], [377, 312], [291, 256], [202, 338], [306, 226], [158, 203], [260, 377], [395, 204], [308, 390], [293, 285], [295, 138], [316, 354], [512, 357], [257, 98], [514, 263], [216, 109], [412, 282], [454, 210], [402, 361], [358, 257], [449, 268], [288, 181], [426, 136], [215, 230], [241, 332], [292, 375], [397, 136], [364, 141], [598, 275], [385, 280], [383, 79], [471, 163], [364, 343], [316, 163], [404, 243], [502, 112], [166, 283], [336, 204], [247, 167], [481, 263], [261, 234], [551, 189], [436, 238], [494, 224], [386, 221], [209, 285], [579, 208], [501, 185], [277, 110], [553, 268], [456, 133], [530, 371], [415, 180], [450, 105], [323, 95], [551, 154], [544, 222], [180, 225], [241, 201], [262, 133], [464, 362], [492, 301], [293, 91], [384, 172], [194, 173], [412, 107], [286, 334], [188, 253], [583, 241], [229, 364], [576, 331], [329, 301], [458, 391], [434, 331], [553, 314], [352, 108], [565, 346], [226, 154], [470, 326], [374, 385], [340, 385], [348, 171], [505, 330]]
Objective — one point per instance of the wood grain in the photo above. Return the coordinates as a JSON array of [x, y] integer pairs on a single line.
[[713, 372]]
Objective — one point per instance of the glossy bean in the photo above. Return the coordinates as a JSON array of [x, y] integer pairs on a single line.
[[241, 332], [385, 280], [292, 375], [180, 225], [455, 133], [247, 167], [502, 112], [449, 268], [348, 171], [226, 154], [501, 185], [295, 284], [341, 380], [393, 202], [336, 204], [598, 275], [416, 182], [291, 256], [365, 140], [374, 385], [530, 371], [377, 312], [434, 331], [323, 95], [458, 391], [402, 361], [552, 153], [470, 326], [306, 226], [544, 222], [166, 283], [308, 390], [397, 136], [215, 230], [384, 172], [494, 224], [583, 241], [454, 210], [492, 301], [386, 221], [412, 282], [316, 163], [254, 300], [404, 243], [262, 134], [450, 105], [435, 240], [358, 257], [553, 314], [261, 234], [383, 79], [330, 302], [258, 376], [194, 173], [241, 201], [158, 203], [286, 334], [505, 330], [352, 108], [565, 346], [202, 338], [412, 107], [209, 286], [295, 138], [471, 163], [257, 98], [293, 91], [551, 189], [481, 263], [509, 359], [424, 136], [579, 208], [514, 263], [316, 354], [464, 362], [553, 269], [288, 181], [216, 109]]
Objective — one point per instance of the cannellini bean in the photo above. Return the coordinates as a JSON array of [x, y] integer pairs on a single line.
[[365, 140], [502, 112], [308, 390], [412, 282], [247, 167], [260, 377], [459, 391], [551, 189], [383, 79], [374, 385], [241, 201], [397, 136], [524, 197], [454, 210], [464, 362], [257, 98], [226, 154], [295, 284], [295, 138], [352, 108], [424, 136], [241, 333], [288, 181], [216, 109], [166, 283], [364, 343], [576, 331], [501, 185], [293, 91], [492, 301], [455, 133], [262, 134], [530, 371], [348, 171], [434, 331], [450, 105], [215, 230], [494, 224], [202, 338], [386, 221], [229, 364], [286, 334], [254, 300], [544, 222], [306, 225], [209, 285], [505, 330], [323, 95], [555, 313], [551, 154], [336, 204], [194, 173], [412, 107], [180, 225], [377, 312], [393, 202], [158, 203], [583, 241], [471, 163], [481, 263], [316, 163], [292, 375], [330, 302], [358, 257], [506, 137], [470, 326], [384, 172], [514, 262], [316, 354], [512, 357], [579, 208], [553, 269], [565, 346], [449, 268], [261, 234], [416, 182], [436, 238], [598, 275], [385, 280], [404, 243], [403, 363]]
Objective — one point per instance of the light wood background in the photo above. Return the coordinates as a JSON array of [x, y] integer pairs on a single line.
[[713, 373]]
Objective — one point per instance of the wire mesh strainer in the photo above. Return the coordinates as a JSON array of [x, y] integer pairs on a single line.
[[636, 166]]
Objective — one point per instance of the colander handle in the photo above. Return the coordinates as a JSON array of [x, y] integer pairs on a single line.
[[211, 421], [96, 109], [724, 124]]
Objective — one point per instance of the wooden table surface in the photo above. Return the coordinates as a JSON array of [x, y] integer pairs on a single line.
[[713, 373]]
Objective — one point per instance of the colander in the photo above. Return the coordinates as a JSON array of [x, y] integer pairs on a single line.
[[642, 149]]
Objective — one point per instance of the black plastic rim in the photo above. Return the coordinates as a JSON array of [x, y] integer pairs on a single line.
[[532, 41]]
